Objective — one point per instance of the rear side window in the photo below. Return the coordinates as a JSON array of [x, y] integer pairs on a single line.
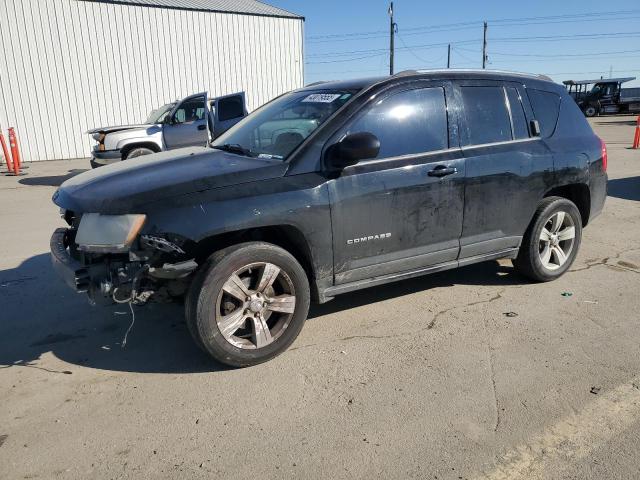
[[413, 121], [518, 119], [546, 106], [485, 109]]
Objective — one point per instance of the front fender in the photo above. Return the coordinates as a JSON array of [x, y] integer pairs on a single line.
[[155, 139], [300, 201]]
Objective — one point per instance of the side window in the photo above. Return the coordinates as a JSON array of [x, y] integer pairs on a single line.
[[190, 110], [518, 119], [413, 121], [485, 110], [546, 107], [230, 107]]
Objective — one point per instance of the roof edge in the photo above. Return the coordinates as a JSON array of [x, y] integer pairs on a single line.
[[133, 3]]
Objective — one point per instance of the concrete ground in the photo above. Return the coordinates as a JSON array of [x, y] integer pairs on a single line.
[[427, 378]]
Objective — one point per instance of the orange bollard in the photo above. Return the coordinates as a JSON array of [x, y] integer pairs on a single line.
[[15, 151], [5, 152], [636, 138]]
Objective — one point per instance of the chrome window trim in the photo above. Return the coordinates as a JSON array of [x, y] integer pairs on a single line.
[[520, 140], [408, 156]]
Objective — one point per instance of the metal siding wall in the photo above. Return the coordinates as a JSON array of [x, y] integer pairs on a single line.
[[69, 66]]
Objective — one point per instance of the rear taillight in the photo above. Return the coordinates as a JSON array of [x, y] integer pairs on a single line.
[[603, 147]]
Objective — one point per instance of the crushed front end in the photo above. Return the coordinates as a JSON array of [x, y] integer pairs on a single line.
[[112, 260]]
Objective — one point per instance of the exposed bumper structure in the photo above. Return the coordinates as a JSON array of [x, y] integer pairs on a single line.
[[74, 274]]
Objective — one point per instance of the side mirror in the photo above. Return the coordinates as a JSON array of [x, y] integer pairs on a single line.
[[535, 128], [353, 148], [167, 120]]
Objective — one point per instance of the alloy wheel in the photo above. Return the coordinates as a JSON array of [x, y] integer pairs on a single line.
[[255, 305], [556, 240]]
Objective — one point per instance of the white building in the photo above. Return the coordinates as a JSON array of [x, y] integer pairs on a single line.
[[70, 65]]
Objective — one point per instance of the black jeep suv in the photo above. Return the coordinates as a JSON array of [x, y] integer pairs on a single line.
[[332, 188]]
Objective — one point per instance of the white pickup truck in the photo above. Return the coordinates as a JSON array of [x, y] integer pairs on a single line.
[[194, 120]]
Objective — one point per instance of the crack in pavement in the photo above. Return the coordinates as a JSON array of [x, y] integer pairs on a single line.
[[429, 326], [492, 370], [605, 260]]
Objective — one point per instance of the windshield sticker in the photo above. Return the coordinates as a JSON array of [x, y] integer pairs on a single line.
[[322, 97]]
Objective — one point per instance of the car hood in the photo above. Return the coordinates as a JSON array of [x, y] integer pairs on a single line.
[[126, 187], [119, 128]]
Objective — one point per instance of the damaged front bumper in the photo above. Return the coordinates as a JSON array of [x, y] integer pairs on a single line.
[[109, 278], [74, 274]]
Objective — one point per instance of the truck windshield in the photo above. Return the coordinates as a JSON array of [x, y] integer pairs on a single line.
[[157, 115], [278, 128]]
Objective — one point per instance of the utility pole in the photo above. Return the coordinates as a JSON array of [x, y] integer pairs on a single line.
[[484, 47], [449, 56], [392, 31]]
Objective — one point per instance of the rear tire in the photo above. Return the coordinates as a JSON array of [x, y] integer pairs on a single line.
[[248, 303], [551, 242], [137, 152]]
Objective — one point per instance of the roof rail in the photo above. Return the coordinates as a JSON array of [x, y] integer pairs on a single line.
[[405, 72], [316, 83], [474, 70]]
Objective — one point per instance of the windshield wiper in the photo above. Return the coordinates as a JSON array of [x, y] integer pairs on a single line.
[[234, 148]]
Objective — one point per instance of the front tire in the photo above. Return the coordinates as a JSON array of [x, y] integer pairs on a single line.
[[551, 242], [248, 303], [137, 152]]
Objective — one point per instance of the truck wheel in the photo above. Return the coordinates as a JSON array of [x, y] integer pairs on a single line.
[[248, 303], [138, 152], [551, 242], [590, 111]]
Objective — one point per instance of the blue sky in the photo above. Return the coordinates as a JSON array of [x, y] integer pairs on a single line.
[[583, 40]]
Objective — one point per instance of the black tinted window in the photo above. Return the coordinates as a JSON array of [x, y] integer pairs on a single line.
[[230, 107], [486, 113], [546, 106], [518, 120], [413, 121]]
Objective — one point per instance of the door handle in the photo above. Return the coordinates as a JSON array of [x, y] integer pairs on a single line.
[[442, 171], [202, 127]]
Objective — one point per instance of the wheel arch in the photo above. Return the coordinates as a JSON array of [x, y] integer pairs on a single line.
[[579, 194], [287, 237], [125, 149]]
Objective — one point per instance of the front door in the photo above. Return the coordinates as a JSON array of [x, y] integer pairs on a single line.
[[402, 210], [186, 125]]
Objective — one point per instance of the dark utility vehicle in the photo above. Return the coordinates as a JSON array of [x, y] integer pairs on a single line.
[[606, 96], [332, 188]]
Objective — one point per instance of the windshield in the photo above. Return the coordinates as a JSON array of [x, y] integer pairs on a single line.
[[157, 115], [278, 128]]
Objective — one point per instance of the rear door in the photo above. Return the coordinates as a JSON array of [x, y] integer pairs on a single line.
[[507, 169], [186, 125], [402, 210], [226, 111]]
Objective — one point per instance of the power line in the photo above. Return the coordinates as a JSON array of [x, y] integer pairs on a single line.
[[542, 38], [556, 55], [567, 18]]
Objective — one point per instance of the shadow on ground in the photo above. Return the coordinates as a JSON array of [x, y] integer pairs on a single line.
[[625, 188], [42, 315], [50, 180]]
